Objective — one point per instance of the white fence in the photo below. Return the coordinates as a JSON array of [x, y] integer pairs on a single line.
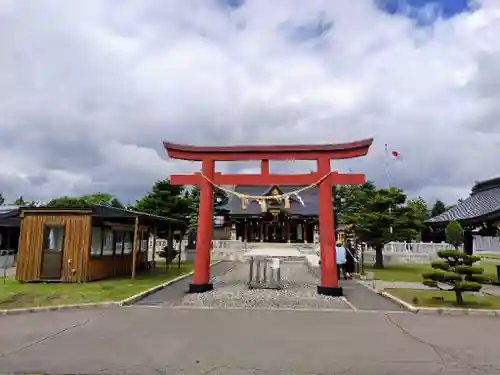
[[486, 244], [415, 247], [394, 252]]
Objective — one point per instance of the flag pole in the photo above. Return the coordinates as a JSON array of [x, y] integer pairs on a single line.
[[387, 176]]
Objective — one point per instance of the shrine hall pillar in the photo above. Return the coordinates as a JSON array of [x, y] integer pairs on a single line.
[[329, 280], [201, 277]]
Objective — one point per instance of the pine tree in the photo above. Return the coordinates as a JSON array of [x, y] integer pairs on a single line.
[[438, 208], [455, 273]]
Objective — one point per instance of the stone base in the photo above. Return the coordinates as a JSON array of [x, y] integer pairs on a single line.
[[200, 288], [330, 291]]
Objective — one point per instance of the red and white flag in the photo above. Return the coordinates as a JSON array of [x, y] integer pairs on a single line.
[[396, 155]]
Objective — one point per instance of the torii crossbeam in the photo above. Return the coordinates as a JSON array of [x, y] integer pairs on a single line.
[[321, 153]]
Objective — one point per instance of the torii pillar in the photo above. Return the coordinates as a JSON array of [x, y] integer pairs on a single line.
[[323, 154]]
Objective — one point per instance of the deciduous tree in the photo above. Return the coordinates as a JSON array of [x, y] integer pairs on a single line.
[[95, 198], [454, 234]]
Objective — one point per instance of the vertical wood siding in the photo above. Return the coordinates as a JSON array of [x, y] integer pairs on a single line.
[[76, 246]]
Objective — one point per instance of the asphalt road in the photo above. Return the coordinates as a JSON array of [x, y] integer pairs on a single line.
[[156, 340]]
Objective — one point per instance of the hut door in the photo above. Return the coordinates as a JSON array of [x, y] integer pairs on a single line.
[[52, 252]]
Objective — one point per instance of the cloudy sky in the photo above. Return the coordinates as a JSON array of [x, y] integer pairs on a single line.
[[90, 88]]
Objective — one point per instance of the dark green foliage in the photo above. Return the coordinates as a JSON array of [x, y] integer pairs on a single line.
[[220, 202], [454, 234], [85, 200], [2, 199], [67, 202], [21, 202], [372, 212], [438, 208], [165, 200], [455, 272]]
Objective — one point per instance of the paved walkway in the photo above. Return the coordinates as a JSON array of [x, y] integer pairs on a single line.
[[159, 341], [363, 298]]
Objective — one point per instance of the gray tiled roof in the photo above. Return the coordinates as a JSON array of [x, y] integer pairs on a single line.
[[309, 197], [481, 203]]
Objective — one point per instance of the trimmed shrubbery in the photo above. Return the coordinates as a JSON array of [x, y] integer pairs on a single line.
[[455, 272]]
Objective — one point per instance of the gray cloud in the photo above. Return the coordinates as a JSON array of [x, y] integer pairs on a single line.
[[89, 89]]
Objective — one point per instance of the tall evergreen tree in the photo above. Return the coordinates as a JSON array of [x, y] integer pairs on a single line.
[[438, 208], [166, 200]]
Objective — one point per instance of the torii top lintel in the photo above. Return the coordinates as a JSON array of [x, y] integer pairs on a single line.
[[274, 152]]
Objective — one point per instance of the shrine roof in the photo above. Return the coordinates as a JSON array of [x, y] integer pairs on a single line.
[[482, 204], [309, 197]]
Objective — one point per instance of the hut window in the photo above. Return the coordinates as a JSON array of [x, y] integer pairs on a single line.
[[118, 242], [129, 242], [107, 246], [144, 242], [97, 239], [53, 237]]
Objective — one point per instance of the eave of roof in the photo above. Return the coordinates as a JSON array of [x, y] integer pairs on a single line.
[[481, 205], [104, 211]]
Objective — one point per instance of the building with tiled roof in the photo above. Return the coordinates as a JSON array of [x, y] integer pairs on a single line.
[[479, 214], [277, 223], [483, 205]]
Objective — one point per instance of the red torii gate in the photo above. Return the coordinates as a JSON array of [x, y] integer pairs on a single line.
[[208, 155]]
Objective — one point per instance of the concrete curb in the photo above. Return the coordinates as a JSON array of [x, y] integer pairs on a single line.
[[135, 298], [126, 302], [440, 310], [399, 301], [351, 306], [83, 306], [458, 312]]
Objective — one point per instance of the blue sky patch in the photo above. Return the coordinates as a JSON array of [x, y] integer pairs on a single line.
[[425, 11]]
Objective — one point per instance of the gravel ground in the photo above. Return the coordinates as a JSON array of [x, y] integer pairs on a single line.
[[231, 291]]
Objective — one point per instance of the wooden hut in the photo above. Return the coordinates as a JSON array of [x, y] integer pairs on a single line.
[[78, 244]]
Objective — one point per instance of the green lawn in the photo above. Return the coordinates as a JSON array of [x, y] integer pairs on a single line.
[[17, 295], [399, 272], [413, 272], [432, 298], [490, 255]]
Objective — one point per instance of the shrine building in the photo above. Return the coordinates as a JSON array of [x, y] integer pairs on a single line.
[[297, 223]]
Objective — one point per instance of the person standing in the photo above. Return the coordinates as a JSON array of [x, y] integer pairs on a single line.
[[340, 252]]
